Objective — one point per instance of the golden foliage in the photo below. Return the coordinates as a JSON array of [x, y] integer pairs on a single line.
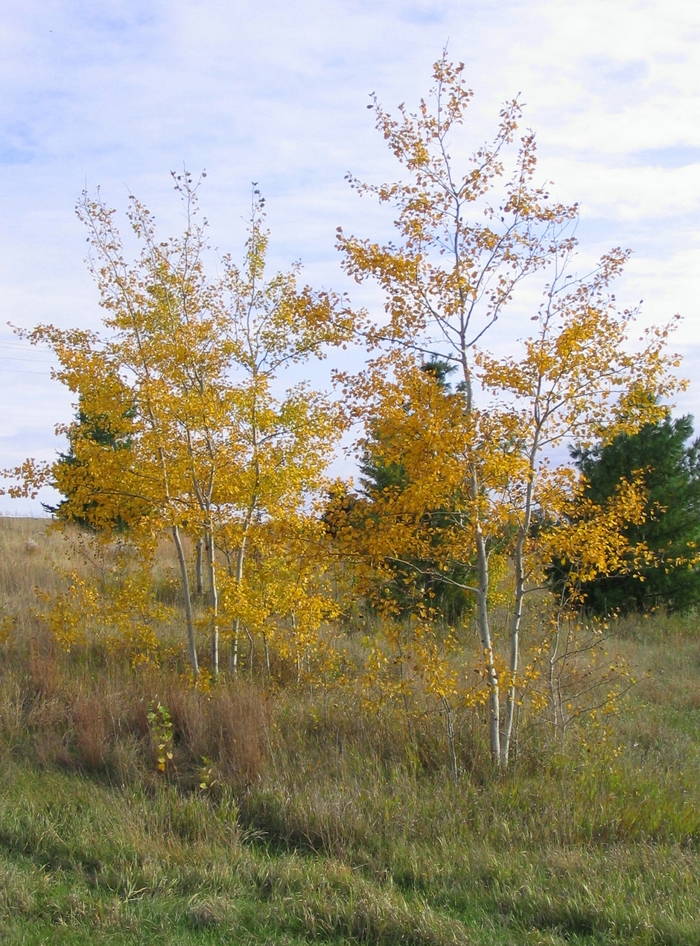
[[184, 426], [480, 479]]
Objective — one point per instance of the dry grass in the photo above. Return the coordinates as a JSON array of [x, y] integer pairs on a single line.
[[287, 815], [28, 554]]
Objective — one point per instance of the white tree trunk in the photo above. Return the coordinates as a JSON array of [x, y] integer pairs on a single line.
[[184, 577], [482, 617], [213, 600]]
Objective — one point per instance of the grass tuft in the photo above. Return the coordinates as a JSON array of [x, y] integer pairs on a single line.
[[287, 816]]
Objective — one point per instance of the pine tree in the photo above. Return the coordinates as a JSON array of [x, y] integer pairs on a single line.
[[420, 583], [98, 429], [670, 466]]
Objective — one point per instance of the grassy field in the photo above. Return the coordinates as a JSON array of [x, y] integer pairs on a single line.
[[287, 816]]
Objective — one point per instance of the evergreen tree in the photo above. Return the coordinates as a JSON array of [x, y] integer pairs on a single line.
[[70, 472], [671, 475], [418, 583]]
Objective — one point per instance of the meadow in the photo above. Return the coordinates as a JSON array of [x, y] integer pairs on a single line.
[[136, 809]]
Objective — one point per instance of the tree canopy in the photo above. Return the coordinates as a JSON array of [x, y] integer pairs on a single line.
[[184, 426], [668, 463], [467, 239], [181, 424]]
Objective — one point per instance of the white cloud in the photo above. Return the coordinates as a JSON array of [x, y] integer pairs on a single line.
[[118, 93]]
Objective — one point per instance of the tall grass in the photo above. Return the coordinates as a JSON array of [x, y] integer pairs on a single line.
[[287, 815]]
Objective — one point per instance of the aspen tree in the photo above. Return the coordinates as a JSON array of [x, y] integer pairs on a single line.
[[283, 442], [467, 241], [182, 378]]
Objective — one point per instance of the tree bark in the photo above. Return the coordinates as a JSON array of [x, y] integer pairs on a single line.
[[233, 653], [511, 700], [199, 567], [213, 600], [177, 539], [485, 636]]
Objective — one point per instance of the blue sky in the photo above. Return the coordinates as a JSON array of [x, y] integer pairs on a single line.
[[117, 94]]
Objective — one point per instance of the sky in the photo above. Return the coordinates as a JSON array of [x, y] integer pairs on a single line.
[[117, 94]]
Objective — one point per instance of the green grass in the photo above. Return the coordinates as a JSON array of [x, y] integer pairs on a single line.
[[356, 851], [325, 823], [82, 861]]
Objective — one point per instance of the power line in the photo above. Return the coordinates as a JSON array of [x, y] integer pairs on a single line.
[[20, 347], [36, 361]]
